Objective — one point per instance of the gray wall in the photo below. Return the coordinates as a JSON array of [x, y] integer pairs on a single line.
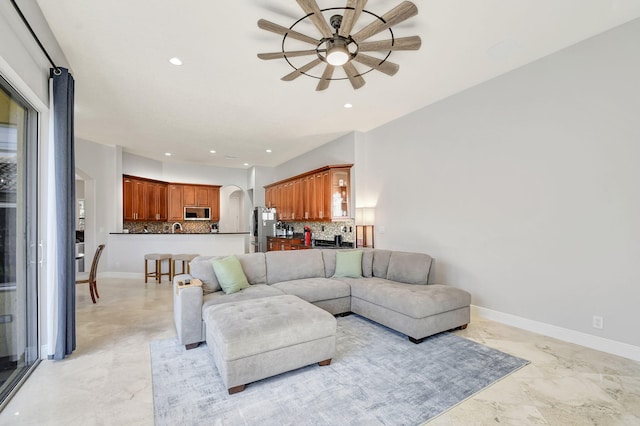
[[339, 151], [525, 188]]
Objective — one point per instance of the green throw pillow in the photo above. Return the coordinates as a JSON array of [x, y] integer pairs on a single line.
[[349, 264], [230, 274]]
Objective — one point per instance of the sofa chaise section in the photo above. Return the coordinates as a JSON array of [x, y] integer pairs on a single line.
[[394, 291]]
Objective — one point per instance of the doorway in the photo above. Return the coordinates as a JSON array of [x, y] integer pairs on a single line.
[[232, 216], [18, 239]]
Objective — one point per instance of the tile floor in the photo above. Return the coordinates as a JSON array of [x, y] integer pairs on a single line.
[[107, 380]]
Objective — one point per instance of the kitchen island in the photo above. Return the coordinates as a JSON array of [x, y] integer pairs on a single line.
[[125, 252]]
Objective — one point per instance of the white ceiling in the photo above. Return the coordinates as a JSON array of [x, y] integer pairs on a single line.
[[224, 98]]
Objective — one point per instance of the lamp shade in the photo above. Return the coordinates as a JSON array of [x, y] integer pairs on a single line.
[[365, 216]]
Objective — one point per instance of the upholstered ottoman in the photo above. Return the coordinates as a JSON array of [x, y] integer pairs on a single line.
[[254, 339]]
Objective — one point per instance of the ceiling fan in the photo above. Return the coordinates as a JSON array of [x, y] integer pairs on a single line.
[[338, 47]]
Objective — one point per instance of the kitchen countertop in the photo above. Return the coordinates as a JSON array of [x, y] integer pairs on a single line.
[[179, 233]]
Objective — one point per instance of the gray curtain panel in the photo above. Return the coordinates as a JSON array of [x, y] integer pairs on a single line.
[[64, 159]]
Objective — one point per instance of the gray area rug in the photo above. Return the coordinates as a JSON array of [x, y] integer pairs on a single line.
[[377, 377]]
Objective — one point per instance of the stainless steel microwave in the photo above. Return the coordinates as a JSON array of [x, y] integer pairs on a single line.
[[197, 213]]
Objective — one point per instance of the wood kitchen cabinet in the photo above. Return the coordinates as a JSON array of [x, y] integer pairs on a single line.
[[203, 196], [156, 201], [196, 195], [297, 200], [309, 197], [281, 244], [339, 188], [214, 202], [132, 198], [176, 205], [150, 200], [323, 195], [269, 200], [143, 199]]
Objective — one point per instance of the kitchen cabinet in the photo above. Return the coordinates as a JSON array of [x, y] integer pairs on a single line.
[[176, 205], [203, 196], [214, 202], [269, 200], [339, 184], [297, 200], [195, 195], [149, 200], [322, 195], [309, 197], [155, 200], [143, 200], [281, 244], [132, 199]]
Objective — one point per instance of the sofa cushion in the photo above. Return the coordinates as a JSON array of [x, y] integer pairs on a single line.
[[410, 268], [380, 263], [349, 264], [293, 265], [315, 289], [254, 267], [252, 292], [202, 269], [416, 301], [329, 257], [230, 274]]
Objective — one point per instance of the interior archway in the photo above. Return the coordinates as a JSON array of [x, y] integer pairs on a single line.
[[233, 215]]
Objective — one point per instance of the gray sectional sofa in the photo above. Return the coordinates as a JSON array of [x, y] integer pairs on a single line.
[[393, 290]]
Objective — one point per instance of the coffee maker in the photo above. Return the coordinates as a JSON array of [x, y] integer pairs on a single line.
[[307, 236]]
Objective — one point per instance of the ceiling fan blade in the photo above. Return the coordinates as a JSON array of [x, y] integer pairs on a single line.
[[389, 68], [350, 16], [312, 9], [404, 43], [326, 78], [354, 77], [280, 55], [279, 29], [402, 12], [297, 73]]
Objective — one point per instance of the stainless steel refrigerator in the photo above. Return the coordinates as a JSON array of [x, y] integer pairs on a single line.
[[263, 225]]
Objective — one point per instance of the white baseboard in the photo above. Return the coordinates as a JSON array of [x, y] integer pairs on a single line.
[[594, 342]]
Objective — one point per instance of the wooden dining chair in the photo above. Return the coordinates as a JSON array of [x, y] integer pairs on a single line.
[[93, 288]]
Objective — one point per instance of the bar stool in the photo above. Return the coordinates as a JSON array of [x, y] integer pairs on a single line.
[[185, 259], [157, 274]]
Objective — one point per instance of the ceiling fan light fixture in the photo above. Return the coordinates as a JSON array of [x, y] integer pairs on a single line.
[[337, 53], [341, 46]]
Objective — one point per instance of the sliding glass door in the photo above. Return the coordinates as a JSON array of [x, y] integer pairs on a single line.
[[18, 239]]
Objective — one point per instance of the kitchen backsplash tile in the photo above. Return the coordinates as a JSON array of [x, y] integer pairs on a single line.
[[165, 227], [327, 230]]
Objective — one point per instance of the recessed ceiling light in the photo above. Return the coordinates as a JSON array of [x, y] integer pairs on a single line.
[[246, 164], [269, 150], [348, 105], [213, 151], [168, 154], [175, 61]]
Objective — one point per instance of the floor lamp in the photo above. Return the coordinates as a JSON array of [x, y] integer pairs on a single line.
[[365, 218]]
